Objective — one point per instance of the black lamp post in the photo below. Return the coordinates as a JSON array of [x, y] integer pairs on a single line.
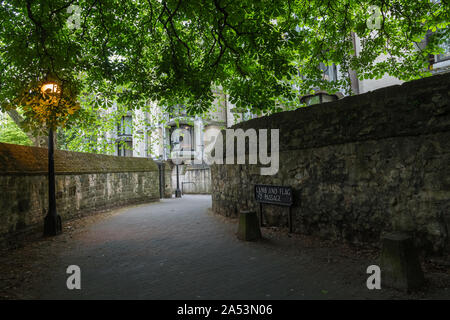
[[178, 191], [317, 98], [178, 161], [52, 222]]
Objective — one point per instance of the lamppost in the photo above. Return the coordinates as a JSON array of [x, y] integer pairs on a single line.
[[178, 191], [52, 222], [319, 97], [177, 160], [177, 154]]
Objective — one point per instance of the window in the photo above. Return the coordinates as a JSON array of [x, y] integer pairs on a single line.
[[446, 46], [329, 72], [125, 148], [125, 127]]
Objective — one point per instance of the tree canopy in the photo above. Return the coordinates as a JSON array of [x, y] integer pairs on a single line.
[[175, 51]]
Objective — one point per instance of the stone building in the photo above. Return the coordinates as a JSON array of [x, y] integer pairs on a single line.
[[157, 131], [437, 64]]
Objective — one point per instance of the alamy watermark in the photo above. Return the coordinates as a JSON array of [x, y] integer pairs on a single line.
[[74, 21], [374, 21], [234, 145], [374, 280], [74, 280]]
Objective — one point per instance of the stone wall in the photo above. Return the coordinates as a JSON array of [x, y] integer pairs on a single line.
[[165, 168], [168, 189], [193, 178], [359, 166], [85, 183], [197, 180]]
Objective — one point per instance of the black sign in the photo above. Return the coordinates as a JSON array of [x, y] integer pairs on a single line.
[[273, 194]]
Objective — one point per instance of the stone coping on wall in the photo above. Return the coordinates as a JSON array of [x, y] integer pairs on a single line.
[[194, 166], [414, 108], [16, 159]]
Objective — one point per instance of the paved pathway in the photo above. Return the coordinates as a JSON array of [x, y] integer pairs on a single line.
[[176, 249]]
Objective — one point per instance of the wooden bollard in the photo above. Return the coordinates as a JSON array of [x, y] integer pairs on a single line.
[[400, 266], [248, 229]]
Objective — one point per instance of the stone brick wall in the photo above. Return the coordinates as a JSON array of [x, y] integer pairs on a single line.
[[359, 166], [168, 189], [85, 183], [197, 180], [193, 178], [166, 177]]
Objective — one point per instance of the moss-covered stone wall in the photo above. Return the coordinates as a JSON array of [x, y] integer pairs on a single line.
[[85, 183]]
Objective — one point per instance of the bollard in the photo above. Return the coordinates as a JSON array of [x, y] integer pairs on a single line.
[[248, 229], [400, 266]]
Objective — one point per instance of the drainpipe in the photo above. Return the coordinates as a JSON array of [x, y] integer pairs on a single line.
[[352, 74]]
